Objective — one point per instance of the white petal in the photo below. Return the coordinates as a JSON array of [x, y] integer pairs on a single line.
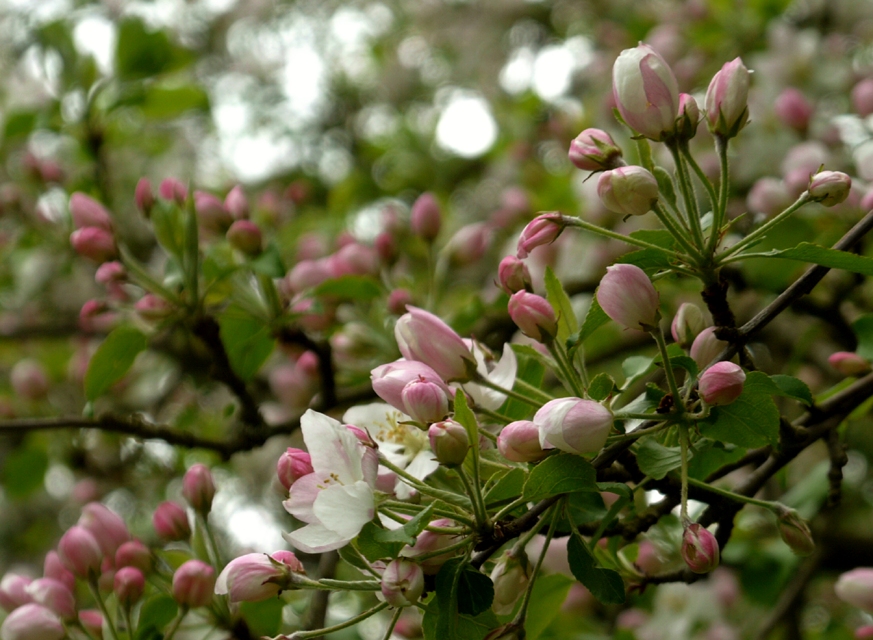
[[315, 538], [345, 509], [334, 449], [302, 496], [422, 465]]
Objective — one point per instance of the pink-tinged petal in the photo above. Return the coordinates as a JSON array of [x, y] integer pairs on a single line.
[[334, 450], [315, 538], [345, 508], [302, 496], [422, 465]]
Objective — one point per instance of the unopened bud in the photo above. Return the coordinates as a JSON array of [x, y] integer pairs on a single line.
[[687, 323], [862, 97], [510, 577], [153, 308], [170, 521], [402, 583], [699, 549], [689, 117], [627, 295], [55, 596], [449, 442], [631, 190], [829, 187], [211, 213], [13, 591], [706, 347], [293, 465], [29, 379], [793, 109], [107, 527], [645, 92], [469, 243], [424, 401], [424, 337], [856, 588], [173, 189], [519, 441], [722, 383], [513, 275], [80, 552], [573, 425], [128, 585], [849, 364], [193, 584], [144, 197], [32, 622], [544, 229], [87, 212], [236, 204], [245, 236], [258, 576], [595, 150], [198, 487], [795, 532], [533, 315], [397, 301], [726, 99], [425, 218], [94, 243], [134, 553]]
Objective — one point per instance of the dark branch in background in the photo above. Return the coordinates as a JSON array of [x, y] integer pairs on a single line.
[[839, 459], [318, 604]]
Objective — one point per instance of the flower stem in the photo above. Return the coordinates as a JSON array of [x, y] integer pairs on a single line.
[[304, 635], [545, 397], [606, 233], [390, 630], [688, 195], [268, 288], [719, 212], [683, 443], [446, 496], [485, 382], [522, 611], [658, 335], [571, 377], [183, 611], [704, 180], [763, 229], [479, 511], [770, 506], [95, 591], [675, 231]]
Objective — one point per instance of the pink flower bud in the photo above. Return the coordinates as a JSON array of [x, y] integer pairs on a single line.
[[427, 542], [134, 553], [626, 295], [193, 584], [425, 219], [424, 401], [54, 596], [862, 97], [397, 301], [726, 99], [533, 315], [245, 236], [110, 272], [173, 189], [699, 549], [856, 588], [768, 196], [87, 212], [92, 621], [211, 213], [469, 243], [236, 204], [107, 527], [449, 442], [513, 275], [595, 150], [402, 583], [794, 531], [706, 347], [424, 337], [32, 622], [510, 577], [849, 364], [519, 441], [865, 632], [170, 522], [829, 187], [153, 308], [29, 379], [645, 92], [793, 109], [293, 465], [308, 273], [390, 379], [54, 568], [13, 591], [354, 259], [544, 229], [722, 383], [631, 191], [573, 425], [198, 488], [143, 196], [129, 585], [94, 243], [80, 552], [689, 117], [386, 247], [687, 323], [258, 576]]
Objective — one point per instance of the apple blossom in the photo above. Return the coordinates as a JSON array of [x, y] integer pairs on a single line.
[[258, 576], [626, 295], [424, 337], [699, 549], [645, 92], [573, 425], [193, 584]]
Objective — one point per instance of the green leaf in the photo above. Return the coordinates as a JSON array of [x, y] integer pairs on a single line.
[[546, 599], [475, 592], [141, 53], [825, 256], [269, 262], [350, 288], [601, 387], [263, 618], [561, 473], [531, 370], [604, 584], [408, 532], [247, 340], [465, 417], [18, 123], [594, 319], [164, 103], [582, 507], [665, 185], [508, 487], [649, 260], [709, 456], [655, 459], [112, 360], [863, 328], [458, 627], [752, 420], [156, 613], [557, 297], [791, 387], [168, 222], [635, 367], [23, 471]]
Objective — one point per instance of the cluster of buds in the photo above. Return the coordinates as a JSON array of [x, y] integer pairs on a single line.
[[94, 237]]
